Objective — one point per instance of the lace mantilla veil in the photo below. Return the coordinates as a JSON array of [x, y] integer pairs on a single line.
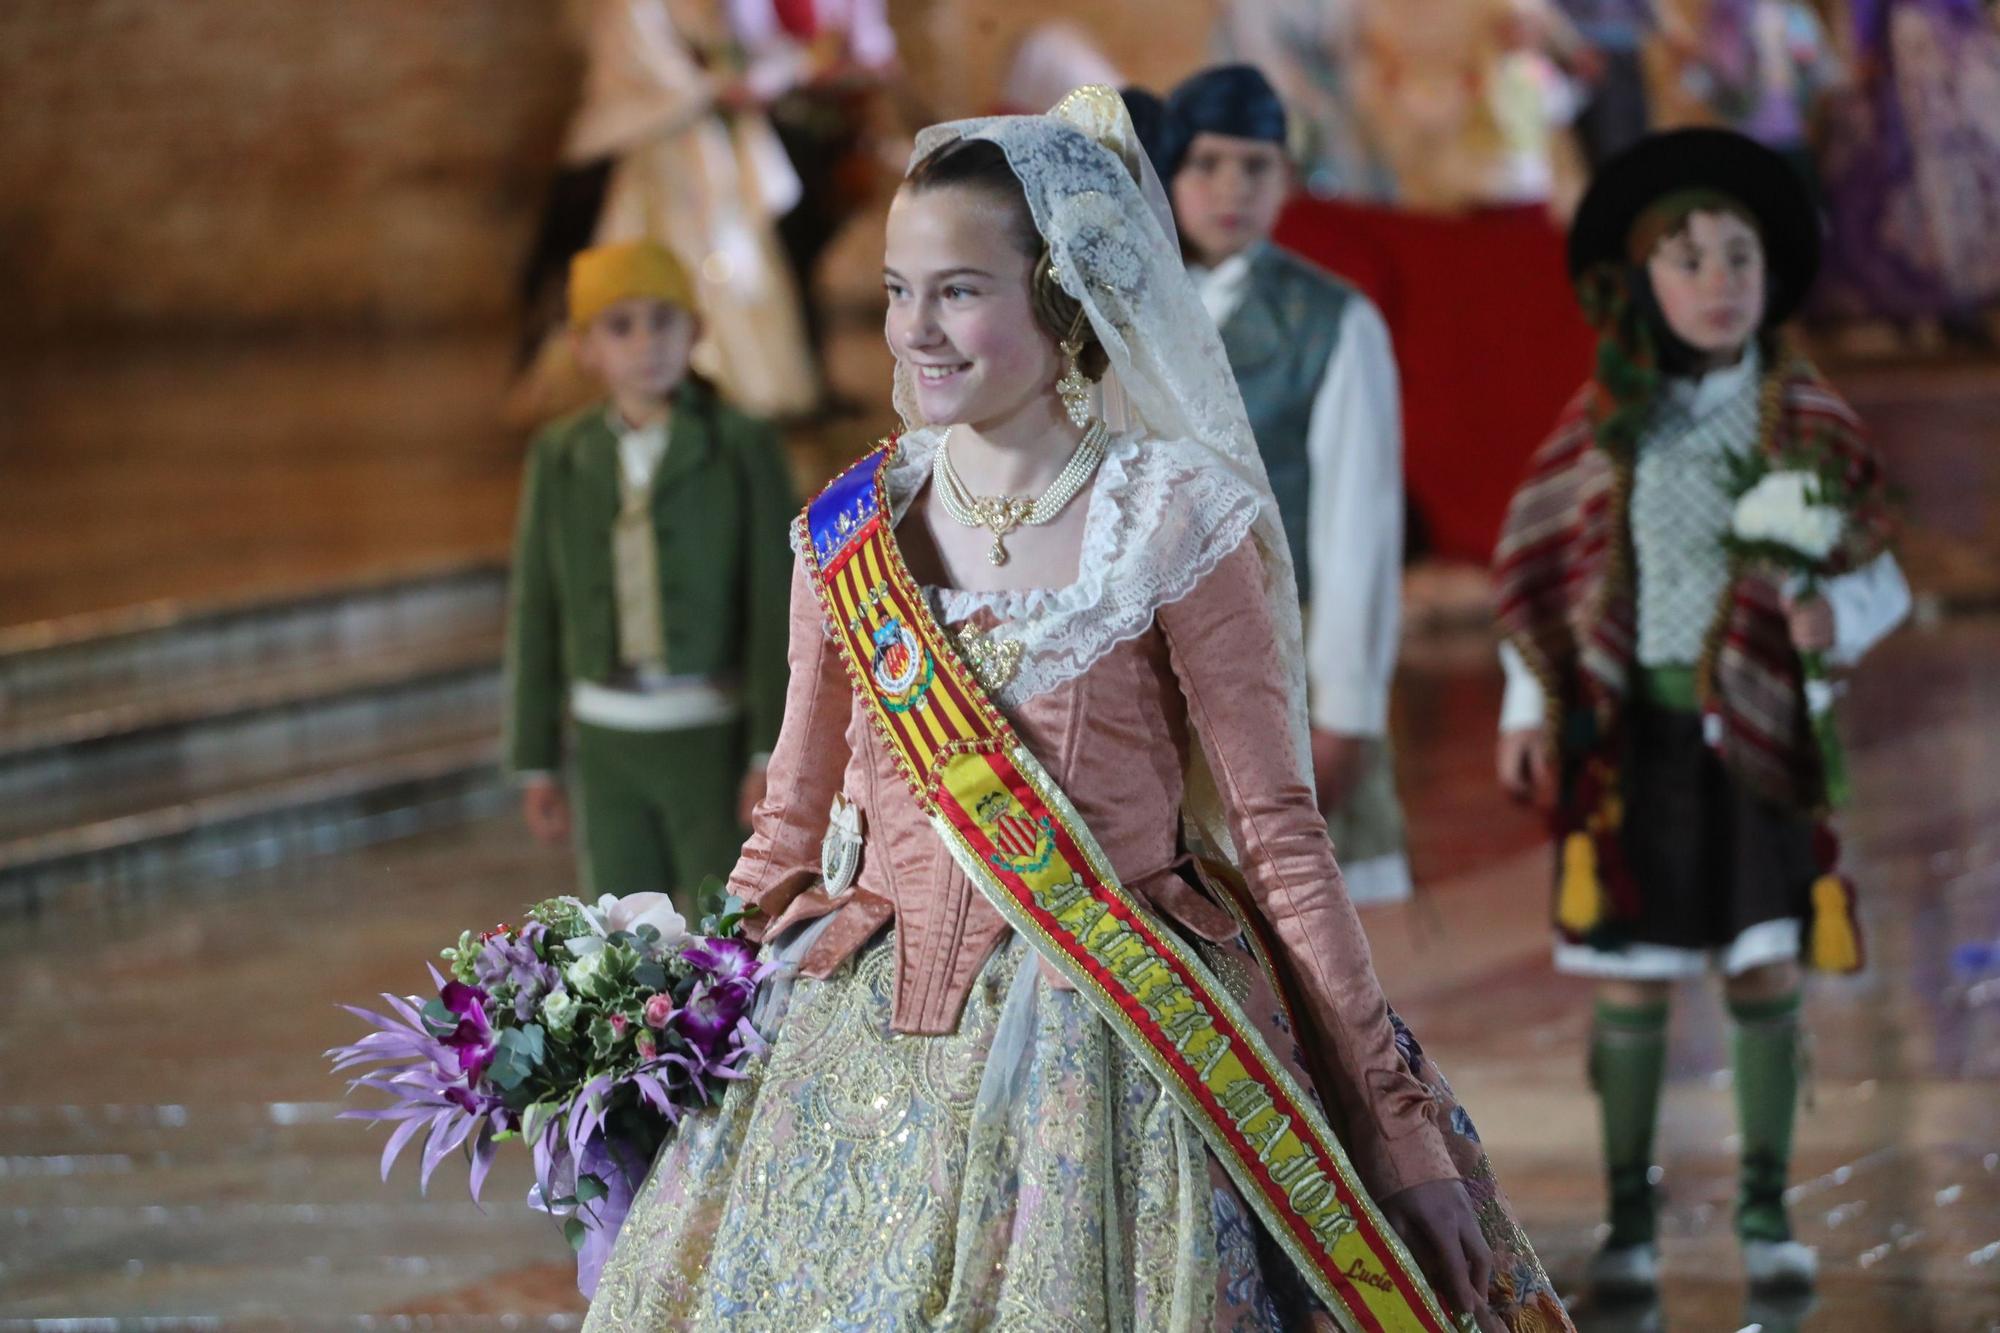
[[1104, 215]]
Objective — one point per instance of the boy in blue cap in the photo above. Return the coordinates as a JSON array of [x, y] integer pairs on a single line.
[[1313, 360]]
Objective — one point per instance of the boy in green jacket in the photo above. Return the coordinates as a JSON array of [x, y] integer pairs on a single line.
[[650, 596]]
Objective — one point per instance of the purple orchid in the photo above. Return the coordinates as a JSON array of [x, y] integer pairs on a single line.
[[711, 1014], [724, 960], [472, 1039], [423, 1076], [731, 975]]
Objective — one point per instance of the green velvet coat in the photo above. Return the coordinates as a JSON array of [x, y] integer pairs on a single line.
[[722, 503]]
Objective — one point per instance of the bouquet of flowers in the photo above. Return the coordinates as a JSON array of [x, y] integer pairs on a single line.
[[587, 1032], [1794, 517]]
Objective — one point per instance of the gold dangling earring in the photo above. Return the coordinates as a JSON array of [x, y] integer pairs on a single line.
[[1073, 388]]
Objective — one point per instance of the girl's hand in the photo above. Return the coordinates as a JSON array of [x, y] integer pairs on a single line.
[[1527, 773], [1810, 620], [1437, 1222]]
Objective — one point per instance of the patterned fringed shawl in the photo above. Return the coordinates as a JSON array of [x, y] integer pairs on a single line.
[[1564, 569]]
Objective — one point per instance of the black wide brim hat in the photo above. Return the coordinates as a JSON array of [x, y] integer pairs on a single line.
[[1703, 159]]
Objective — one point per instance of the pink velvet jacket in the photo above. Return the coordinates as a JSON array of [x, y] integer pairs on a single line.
[[1116, 738]]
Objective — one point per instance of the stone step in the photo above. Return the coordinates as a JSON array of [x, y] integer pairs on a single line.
[[138, 754], [154, 658], [322, 716], [103, 713], [319, 808]]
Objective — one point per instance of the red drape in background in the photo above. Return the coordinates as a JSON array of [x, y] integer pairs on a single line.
[[1488, 338]]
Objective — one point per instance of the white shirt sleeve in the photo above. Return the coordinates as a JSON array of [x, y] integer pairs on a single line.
[[1521, 706], [1867, 604], [1354, 529]]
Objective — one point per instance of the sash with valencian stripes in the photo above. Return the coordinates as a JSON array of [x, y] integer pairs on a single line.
[[1016, 836]]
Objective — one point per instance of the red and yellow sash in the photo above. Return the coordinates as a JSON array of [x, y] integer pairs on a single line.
[[1016, 836]]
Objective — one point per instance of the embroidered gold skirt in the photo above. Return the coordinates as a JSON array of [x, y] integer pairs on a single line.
[[1022, 1173]]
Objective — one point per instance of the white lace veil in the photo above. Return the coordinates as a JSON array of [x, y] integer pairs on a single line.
[[1104, 215]]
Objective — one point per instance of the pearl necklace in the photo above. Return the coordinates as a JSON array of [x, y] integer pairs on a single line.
[[1001, 514]]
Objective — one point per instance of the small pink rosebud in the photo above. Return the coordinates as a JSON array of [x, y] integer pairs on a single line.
[[659, 1009], [618, 1025], [647, 1047]]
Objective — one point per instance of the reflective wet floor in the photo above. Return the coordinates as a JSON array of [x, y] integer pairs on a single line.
[[169, 1156], [168, 1150]]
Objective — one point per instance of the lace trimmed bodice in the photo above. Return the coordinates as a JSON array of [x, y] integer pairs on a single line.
[[1160, 518]]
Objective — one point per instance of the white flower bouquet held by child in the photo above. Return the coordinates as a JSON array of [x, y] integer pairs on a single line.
[[1794, 518]]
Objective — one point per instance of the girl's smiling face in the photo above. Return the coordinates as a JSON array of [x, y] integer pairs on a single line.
[[960, 314], [1708, 277]]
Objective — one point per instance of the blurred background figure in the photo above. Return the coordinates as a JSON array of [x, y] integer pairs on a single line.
[[1614, 113], [1464, 98], [820, 65], [672, 142], [1312, 358], [1048, 61], [1307, 49], [1912, 168], [664, 695], [1766, 69]]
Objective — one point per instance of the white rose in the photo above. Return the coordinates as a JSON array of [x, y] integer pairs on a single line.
[[580, 973], [559, 1010], [1780, 510]]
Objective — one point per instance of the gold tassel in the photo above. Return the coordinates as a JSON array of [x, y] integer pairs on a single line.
[[1580, 904], [1836, 938]]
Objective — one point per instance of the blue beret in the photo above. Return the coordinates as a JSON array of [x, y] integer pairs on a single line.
[[1235, 100]]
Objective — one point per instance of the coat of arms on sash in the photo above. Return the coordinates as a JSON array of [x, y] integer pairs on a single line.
[[1021, 844], [901, 668]]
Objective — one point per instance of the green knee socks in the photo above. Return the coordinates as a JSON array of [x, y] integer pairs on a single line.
[[1764, 1047], [1628, 1061]]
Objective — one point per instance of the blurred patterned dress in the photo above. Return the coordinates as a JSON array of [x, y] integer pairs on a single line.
[[1912, 165]]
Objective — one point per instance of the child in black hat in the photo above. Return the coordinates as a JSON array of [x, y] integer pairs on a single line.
[[1704, 532]]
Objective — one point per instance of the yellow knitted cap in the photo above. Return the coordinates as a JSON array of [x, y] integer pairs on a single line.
[[604, 275]]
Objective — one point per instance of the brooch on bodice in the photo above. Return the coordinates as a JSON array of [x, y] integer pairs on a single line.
[[840, 850], [993, 660]]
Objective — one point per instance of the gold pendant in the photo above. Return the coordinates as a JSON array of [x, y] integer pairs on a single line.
[[997, 554]]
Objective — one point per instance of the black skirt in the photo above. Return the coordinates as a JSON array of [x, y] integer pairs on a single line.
[[1710, 858]]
